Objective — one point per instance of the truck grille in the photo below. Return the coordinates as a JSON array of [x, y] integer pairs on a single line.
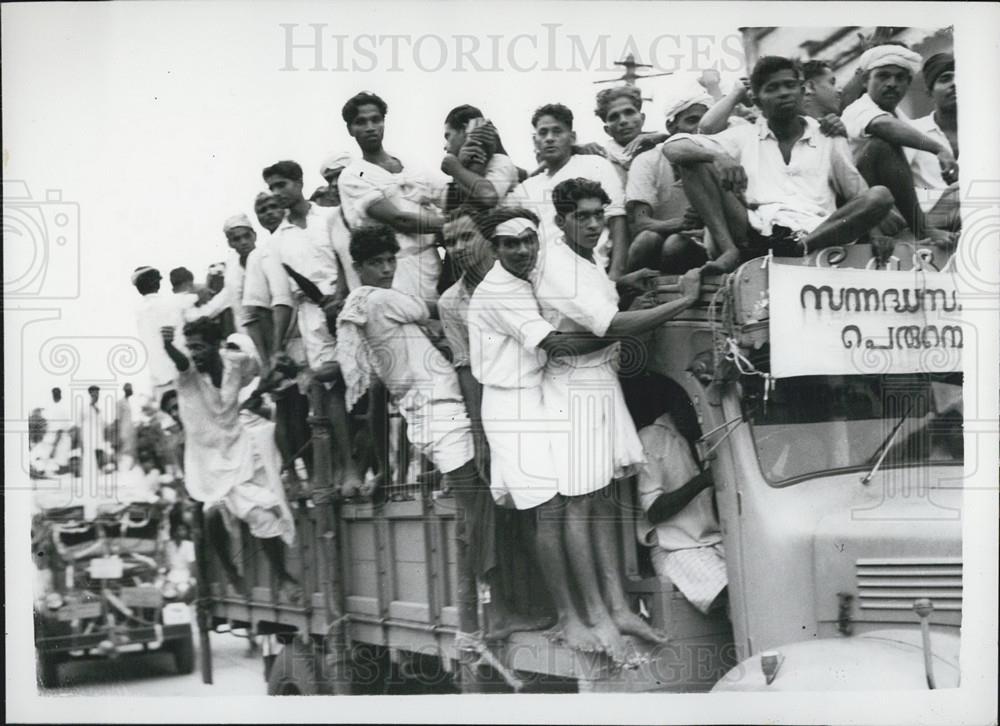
[[887, 588]]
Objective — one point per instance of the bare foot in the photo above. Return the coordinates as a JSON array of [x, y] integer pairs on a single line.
[[291, 590], [611, 641], [502, 627], [578, 636], [631, 624]]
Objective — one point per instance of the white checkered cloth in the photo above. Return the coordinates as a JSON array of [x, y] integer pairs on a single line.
[[699, 572]]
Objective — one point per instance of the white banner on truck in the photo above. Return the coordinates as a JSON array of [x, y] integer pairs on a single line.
[[834, 321]]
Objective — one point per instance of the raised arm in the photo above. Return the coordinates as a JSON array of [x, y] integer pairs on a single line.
[[480, 190], [559, 343], [178, 358], [716, 119]]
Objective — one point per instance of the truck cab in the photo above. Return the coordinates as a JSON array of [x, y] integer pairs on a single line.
[[839, 495]]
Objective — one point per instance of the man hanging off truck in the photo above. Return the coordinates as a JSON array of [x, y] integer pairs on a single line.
[[223, 467]]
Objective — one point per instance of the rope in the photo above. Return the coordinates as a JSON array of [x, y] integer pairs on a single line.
[[474, 643]]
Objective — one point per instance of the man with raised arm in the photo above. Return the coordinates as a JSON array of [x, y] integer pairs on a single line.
[[224, 467], [774, 186]]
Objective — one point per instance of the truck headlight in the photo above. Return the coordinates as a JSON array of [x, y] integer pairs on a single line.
[[53, 601]]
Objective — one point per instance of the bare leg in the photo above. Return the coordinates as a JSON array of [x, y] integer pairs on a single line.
[[724, 215], [852, 220], [884, 164], [580, 552], [569, 628], [274, 550], [946, 213], [347, 469], [461, 481], [218, 535], [679, 254], [609, 562], [644, 252]]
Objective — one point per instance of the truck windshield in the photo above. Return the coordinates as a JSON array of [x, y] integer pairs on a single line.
[[818, 424]]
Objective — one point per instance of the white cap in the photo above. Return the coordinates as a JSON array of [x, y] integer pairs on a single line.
[[680, 102], [514, 227], [339, 160], [237, 220], [890, 55]]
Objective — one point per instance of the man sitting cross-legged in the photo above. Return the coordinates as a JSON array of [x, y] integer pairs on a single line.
[[666, 234], [774, 186], [224, 467], [880, 136]]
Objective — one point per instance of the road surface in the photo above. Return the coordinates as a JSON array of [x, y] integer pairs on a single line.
[[153, 674]]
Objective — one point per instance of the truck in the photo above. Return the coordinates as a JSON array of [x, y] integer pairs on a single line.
[[102, 588], [838, 492]]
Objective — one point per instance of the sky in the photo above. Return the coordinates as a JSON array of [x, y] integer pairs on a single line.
[[152, 124]]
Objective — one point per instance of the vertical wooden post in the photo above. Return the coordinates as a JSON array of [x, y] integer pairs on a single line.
[[336, 666], [204, 602]]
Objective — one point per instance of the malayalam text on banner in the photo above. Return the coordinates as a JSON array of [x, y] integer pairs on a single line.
[[833, 321]]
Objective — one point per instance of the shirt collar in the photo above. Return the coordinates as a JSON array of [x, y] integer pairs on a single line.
[[808, 135], [286, 222]]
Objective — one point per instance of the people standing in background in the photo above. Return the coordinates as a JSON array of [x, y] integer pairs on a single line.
[[154, 311]]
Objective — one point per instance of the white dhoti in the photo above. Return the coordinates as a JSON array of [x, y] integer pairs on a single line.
[[594, 438], [521, 454], [438, 429]]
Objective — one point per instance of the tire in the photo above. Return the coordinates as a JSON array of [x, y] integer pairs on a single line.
[[48, 669], [294, 672], [183, 652]]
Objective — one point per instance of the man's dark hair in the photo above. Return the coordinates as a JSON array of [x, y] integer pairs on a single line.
[[93, 388], [459, 116], [371, 240], [57, 390], [284, 169], [355, 102], [567, 193], [555, 110], [205, 328], [767, 67], [502, 214], [608, 96], [166, 398], [478, 215], [179, 276], [814, 69], [148, 282]]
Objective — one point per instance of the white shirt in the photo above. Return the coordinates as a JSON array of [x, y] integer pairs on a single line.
[[230, 296], [218, 452], [505, 328], [618, 159], [342, 248], [927, 179], [309, 250], [501, 173], [405, 360], [418, 264], [651, 180], [798, 195], [535, 193], [453, 310], [576, 296], [153, 312], [859, 114], [669, 466]]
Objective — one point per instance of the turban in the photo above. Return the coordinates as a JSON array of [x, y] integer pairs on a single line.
[[936, 65], [262, 197], [679, 103], [335, 161], [514, 227], [889, 55], [237, 220], [142, 272]]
